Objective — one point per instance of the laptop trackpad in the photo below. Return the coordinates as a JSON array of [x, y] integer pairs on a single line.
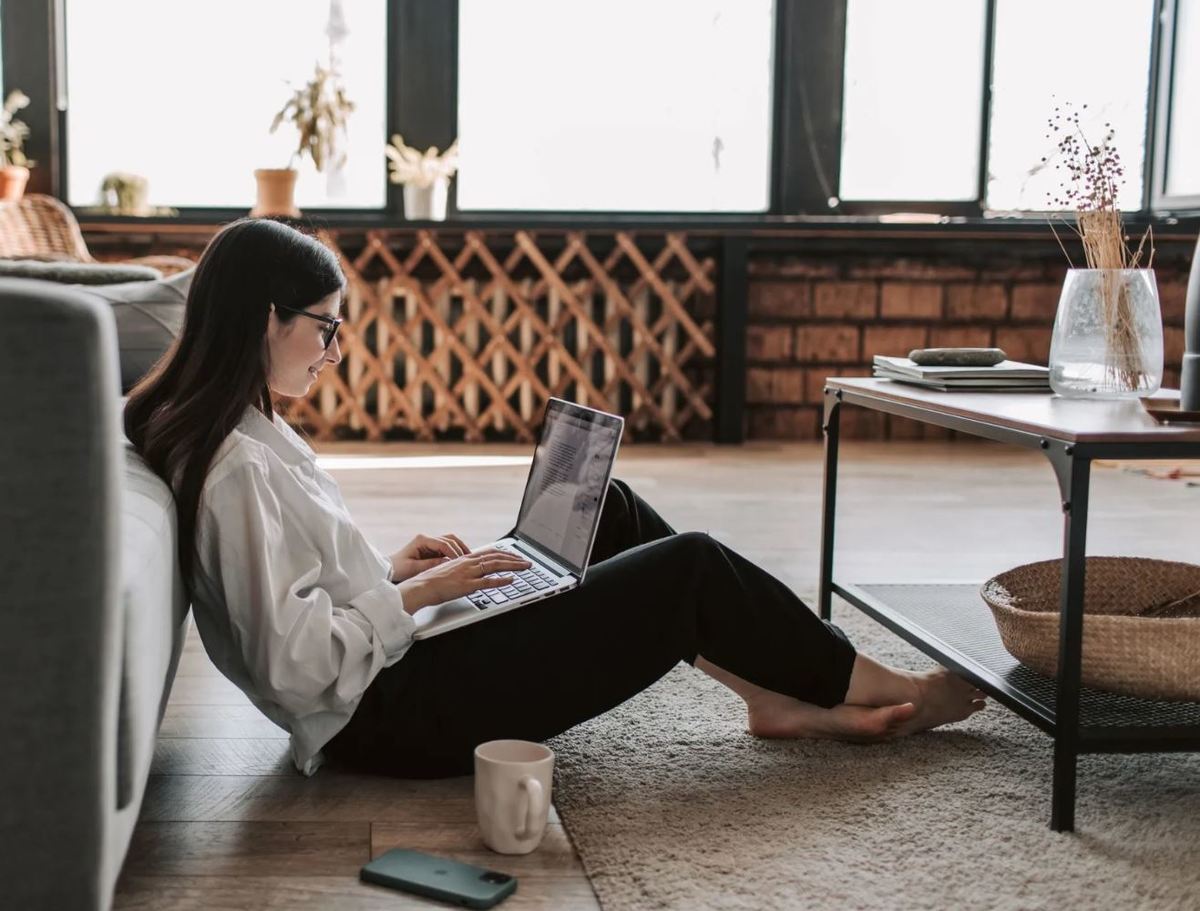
[[443, 613]]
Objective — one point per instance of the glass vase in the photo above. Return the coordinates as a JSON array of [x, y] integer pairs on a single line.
[[1108, 338]]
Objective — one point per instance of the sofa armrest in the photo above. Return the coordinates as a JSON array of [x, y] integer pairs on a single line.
[[59, 593]]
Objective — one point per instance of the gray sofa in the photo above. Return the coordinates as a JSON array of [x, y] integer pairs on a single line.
[[92, 608]]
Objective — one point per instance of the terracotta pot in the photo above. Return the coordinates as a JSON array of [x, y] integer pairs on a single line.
[[12, 182], [276, 189]]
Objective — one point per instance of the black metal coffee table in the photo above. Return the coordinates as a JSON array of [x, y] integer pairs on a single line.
[[951, 623]]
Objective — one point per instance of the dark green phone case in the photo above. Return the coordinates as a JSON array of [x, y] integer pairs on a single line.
[[440, 878]]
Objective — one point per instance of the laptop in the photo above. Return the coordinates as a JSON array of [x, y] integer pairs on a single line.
[[557, 522]]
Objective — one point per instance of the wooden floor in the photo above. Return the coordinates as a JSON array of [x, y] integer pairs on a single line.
[[228, 824]]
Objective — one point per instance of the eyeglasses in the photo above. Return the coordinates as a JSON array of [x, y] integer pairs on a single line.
[[328, 333]]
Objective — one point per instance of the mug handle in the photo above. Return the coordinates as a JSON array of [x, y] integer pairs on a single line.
[[535, 805]]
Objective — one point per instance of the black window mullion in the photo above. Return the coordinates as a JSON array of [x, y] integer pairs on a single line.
[[810, 44], [985, 121], [1150, 145], [775, 206], [28, 35], [394, 199], [423, 69]]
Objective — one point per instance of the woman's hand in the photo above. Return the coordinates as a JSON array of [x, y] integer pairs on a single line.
[[424, 552], [460, 576]]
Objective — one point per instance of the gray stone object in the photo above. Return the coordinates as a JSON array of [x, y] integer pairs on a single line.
[[957, 357], [1189, 376]]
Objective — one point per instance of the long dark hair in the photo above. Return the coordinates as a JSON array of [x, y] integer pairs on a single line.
[[179, 414]]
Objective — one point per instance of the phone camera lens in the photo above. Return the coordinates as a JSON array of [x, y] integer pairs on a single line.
[[497, 878]]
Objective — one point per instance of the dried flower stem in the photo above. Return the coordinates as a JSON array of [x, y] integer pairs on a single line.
[[1095, 175], [1054, 231]]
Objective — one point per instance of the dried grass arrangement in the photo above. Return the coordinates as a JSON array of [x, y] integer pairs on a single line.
[[411, 167], [319, 110], [1094, 174]]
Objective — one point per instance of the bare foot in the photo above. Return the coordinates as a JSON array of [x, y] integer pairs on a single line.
[[943, 697], [784, 717], [864, 724]]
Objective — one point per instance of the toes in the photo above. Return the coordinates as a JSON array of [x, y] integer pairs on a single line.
[[897, 717], [876, 724], [902, 712]]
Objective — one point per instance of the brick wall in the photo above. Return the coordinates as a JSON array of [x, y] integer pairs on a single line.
[[852, 294], [829, 313]]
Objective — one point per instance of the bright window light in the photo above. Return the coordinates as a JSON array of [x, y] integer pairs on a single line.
[[374, 463], [183, 94], [913, 99], [1093, 52], [622, 105]]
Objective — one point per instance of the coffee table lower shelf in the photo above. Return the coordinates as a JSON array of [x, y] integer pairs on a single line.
[[952, 624]]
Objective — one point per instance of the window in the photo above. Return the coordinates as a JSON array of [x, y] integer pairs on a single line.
[[912, 108], [623, 105], [1084, 52], [1183, 124], [183, 95]]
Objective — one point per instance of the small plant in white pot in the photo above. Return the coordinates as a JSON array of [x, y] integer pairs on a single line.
[[319, 110], [123, 193], [14, 166], [425, 176]]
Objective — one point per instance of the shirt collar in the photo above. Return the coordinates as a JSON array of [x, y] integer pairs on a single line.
[[274, 432]]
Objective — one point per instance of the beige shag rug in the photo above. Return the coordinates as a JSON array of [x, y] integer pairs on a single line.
[[671, 805]]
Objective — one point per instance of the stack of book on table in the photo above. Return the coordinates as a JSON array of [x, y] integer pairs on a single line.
[[1007, 376]]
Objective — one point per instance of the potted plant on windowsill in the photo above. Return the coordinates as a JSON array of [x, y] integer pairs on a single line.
[[14, 166], [319, 110], [425, 176]]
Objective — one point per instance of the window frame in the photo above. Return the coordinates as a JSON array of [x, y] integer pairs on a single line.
[[969, 208], [422, 72], [1162, 74]]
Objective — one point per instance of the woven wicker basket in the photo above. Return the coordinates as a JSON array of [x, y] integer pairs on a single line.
[[1141, 625]]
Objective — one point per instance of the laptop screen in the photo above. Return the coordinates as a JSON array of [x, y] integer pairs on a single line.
[[567, 481]]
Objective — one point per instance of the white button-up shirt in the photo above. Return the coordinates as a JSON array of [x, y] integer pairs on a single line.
[[292, 603]]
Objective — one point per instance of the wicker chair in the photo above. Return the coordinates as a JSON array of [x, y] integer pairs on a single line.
[[40, 227]]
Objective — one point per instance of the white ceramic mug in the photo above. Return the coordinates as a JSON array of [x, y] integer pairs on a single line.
[[512, 794]]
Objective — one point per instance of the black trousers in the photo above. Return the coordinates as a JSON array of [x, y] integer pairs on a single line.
[[651, 599]]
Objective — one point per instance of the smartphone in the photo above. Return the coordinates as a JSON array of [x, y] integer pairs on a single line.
[[439, 877]]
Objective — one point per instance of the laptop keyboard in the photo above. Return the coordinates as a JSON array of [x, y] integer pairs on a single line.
[[525, 582]]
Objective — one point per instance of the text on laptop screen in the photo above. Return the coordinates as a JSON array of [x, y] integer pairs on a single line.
[[567, 482]]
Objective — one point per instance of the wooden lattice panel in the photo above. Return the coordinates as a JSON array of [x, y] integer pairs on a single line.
[[466, 335]]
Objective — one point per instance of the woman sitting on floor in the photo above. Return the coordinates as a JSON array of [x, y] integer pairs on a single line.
[[315, 625]]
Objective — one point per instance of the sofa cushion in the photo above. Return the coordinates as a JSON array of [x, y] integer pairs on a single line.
[[155, 608], [149, 318], [77, 273]]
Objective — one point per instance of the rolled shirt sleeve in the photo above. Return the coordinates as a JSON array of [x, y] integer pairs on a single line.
[[302, 613]]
